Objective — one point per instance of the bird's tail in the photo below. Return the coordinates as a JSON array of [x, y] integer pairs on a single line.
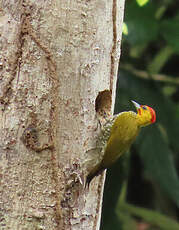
[[95, 172]]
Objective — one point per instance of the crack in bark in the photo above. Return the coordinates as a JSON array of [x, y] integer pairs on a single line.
[[28, 29], [7, 90], [114, 18]]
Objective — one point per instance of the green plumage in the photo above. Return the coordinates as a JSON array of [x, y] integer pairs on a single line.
[[118, 134], [116, 138]]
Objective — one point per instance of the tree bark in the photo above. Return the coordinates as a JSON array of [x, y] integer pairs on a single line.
[[58, 68]]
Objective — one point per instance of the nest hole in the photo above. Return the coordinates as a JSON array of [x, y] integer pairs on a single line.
[[103, 104]]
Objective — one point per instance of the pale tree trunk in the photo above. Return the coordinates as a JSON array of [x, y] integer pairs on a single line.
[[56, 57]]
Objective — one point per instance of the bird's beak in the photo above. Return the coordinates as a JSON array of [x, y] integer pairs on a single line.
[[136, 105]]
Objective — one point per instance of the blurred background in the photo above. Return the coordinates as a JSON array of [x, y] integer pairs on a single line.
[[142, 188]]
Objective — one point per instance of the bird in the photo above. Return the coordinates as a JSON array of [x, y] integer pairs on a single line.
[[117, 135]]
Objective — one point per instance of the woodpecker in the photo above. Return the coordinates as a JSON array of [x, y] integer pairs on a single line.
[[118, 134]]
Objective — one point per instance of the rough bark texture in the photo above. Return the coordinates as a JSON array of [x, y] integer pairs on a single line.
[[55, 58]]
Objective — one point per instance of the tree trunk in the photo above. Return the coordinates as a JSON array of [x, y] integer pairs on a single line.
[[58, 68]]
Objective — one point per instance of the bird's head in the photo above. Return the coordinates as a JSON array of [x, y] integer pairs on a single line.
[[145, 114]]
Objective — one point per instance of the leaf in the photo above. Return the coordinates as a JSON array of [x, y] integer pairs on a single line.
[[142, 2], [124, 29]]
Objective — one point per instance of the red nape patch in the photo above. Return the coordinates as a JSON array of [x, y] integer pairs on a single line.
[[139, 111], [153, 114]]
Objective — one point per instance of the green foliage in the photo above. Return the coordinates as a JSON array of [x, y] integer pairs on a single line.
[[147, 26], [158, 220], [158, 163], [153, 144], [142, 2], [148, 176], [170, 32], [125, 29]]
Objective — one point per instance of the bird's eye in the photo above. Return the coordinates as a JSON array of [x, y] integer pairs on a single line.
[[144, 107]]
